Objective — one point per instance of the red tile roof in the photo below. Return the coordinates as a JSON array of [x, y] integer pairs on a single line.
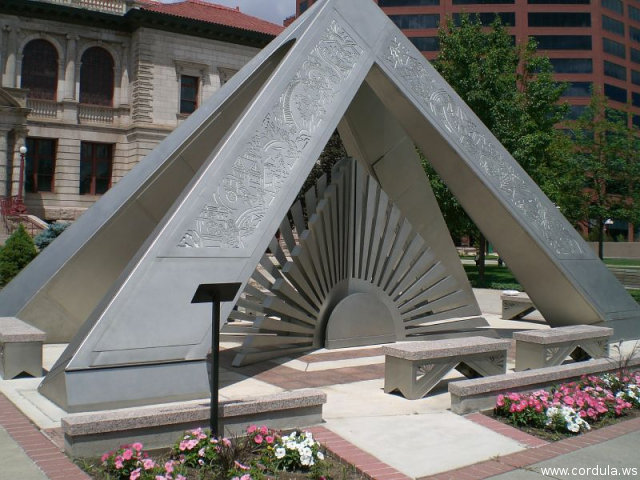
[[212, 13]]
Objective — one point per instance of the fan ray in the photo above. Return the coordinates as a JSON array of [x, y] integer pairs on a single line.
[[344, 240]]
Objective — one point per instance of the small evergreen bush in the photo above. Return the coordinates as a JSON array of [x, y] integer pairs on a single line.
[[44, 238], [18, 251]]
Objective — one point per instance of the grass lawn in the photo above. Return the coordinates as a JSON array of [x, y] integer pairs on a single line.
[[623, 262]]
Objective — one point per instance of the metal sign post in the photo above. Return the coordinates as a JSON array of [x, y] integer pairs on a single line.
[[215, 293]]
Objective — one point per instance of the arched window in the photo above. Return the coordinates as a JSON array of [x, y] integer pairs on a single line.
[[96, 77], [40, 69]]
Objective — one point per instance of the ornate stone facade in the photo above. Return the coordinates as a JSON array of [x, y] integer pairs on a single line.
[[145, 105]]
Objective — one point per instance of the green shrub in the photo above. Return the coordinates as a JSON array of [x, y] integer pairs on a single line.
[[44, 238], [18, 251]]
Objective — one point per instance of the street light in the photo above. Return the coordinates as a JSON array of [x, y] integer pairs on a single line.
[[17, 207]]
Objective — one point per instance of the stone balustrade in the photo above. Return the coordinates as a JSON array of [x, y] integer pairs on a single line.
[[95, 114], [109, 6], [43, 108]]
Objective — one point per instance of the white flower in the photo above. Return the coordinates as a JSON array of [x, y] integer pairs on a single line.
[[280, 452], [291, 445], [320, 455], [306, 460]]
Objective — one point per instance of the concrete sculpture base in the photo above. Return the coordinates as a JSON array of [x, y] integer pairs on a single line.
[[204, 206]]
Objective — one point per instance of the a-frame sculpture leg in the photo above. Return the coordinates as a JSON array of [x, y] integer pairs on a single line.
[[204, 206]]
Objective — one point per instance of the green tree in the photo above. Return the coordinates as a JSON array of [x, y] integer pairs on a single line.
[[18, 251], [606, 159], [44, 238], [511, 89]]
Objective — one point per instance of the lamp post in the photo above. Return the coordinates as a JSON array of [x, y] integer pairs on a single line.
[[215, 293], [17, 207]]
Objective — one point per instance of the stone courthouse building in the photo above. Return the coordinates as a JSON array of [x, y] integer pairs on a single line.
[[91, 86]]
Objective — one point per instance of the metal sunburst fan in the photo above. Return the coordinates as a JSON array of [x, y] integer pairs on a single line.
[[358, 274]]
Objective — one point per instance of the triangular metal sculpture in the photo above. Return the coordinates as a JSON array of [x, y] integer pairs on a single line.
[[357, 274], [204, 206]]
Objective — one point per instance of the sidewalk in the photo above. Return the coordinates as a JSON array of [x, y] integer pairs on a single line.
[[385, 436]]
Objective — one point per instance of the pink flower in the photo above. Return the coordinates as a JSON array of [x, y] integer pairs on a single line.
[[148, 464], [106, 456], [201, 452], [246, 476], [127, 454], [240, 466], [137, 446], [258, 439], [500, 400], [135, 474], [251, 429], [168, 467], [226, 442], [162, 477], [264, 430], [118, 463], [180, 477], [270, 439]]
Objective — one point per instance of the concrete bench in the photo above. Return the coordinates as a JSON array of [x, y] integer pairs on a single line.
[[516, 306], [549, 347], [160, 426], [629, 277], [480, 393], [414, 368], [20, 348]]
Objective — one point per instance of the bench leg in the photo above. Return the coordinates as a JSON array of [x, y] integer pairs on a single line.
[[530, 356], [19, 357], [485, 366], [516, 310], [596, 348], [414, 379]]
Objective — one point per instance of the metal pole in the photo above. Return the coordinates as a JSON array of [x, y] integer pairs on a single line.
[[215, 348]]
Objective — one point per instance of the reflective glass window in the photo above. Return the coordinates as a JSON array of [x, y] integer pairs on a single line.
[[614, 48], [416, 21], [613, 26], [426, 44], [563, 19], [614, 70], [572, 65], [563, 42], [615, 93], [577, 89], [487, 18]]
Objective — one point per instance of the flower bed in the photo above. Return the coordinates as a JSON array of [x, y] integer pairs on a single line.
[[573, 407], [262, 453]]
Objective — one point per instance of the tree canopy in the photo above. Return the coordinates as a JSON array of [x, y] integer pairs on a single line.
[[606, 160]]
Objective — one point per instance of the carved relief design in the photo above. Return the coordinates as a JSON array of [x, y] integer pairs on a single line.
[[483, 152], [259, 174], [498, 361], [424, 370], [550, 353]]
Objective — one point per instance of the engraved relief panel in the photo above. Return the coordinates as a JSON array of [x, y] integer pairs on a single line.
[[483, 151], [259, 173]]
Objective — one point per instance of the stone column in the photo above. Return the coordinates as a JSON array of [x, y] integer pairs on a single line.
[[70, 68], [124, 77], [20, 139], [9, 77], [4, 164]]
